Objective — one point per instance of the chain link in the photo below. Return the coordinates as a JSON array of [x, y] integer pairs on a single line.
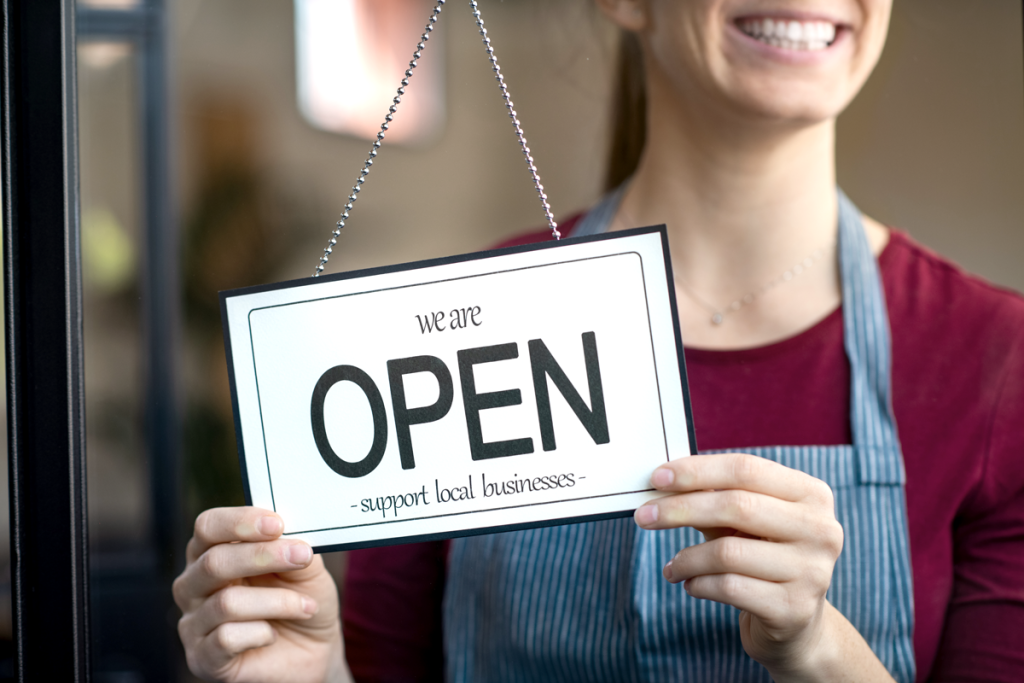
[[515, 122], [394, 107], [380, 138]]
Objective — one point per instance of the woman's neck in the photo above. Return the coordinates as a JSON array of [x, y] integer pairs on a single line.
[[738, 206], [743, 204]]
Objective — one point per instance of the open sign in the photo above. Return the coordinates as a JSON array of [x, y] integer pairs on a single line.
[[507, 389]]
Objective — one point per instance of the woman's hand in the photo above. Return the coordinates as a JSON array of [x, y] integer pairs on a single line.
[[772, 541], [257, 607]]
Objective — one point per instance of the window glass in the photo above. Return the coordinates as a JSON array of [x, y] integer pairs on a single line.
[[109, 173], [127, 591]]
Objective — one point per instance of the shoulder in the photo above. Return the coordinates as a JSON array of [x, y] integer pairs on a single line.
[[542, 235], [958, 373], [935, 295], [949, 328]]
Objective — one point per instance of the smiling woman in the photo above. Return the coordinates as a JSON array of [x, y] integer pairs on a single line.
[[813, 540]]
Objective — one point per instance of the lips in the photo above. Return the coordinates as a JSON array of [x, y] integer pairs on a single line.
[[789, 34]]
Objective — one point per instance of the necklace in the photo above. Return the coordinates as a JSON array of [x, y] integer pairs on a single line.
[[718, 313]]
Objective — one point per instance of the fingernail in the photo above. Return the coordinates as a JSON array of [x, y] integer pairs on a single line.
[[269, 526], [647, 515], [300, 554], [666, 571], [309, 605], [663, 478]]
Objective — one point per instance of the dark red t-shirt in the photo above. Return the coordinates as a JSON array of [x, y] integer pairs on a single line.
[[958, 395]]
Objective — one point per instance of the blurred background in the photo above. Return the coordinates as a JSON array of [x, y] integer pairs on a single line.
[[220, 139]]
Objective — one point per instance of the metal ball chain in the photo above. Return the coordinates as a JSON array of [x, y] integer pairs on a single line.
[[380, 138], [394, 107], [515, 122]]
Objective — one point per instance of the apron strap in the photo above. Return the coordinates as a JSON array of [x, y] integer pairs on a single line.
[[601, 215], [869, 348]]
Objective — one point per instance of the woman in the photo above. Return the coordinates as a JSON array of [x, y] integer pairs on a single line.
[[850, 550]]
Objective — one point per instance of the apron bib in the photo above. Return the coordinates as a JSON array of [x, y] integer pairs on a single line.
[[587, 602]]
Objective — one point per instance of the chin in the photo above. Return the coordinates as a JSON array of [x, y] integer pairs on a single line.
[[800, 103]]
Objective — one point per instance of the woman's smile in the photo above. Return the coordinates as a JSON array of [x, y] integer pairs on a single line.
[[789, 34], [789, 38]]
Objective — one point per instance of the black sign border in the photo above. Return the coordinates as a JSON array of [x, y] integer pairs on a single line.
[[460, 258]]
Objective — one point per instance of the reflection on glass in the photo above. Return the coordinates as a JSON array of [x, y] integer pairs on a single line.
[[108, 131], [110, 4], [126, 594], [351, 55], [101, 56]]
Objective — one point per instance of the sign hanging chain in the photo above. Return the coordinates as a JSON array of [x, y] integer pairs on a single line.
[[380, 138], [555, 234], [515, 122]]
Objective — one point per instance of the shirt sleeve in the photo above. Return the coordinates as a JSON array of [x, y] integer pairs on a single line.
[[391, 616], [983, 639]]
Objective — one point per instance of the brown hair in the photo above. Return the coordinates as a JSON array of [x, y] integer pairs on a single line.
[[629, 113]]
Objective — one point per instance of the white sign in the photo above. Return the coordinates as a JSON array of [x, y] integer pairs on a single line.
[[503, 390]]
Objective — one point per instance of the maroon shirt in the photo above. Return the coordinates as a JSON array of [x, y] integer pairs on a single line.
[[958, 395]]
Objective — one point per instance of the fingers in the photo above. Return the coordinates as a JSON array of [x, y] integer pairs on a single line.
[[754, 558], [228, 562], [712, 533], [228, 525], [740, 471], [756, 514], [772, 538], [247, 603], [764, 599], [218, 650]]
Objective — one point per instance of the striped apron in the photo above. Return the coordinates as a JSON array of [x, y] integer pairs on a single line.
[[587, 602]]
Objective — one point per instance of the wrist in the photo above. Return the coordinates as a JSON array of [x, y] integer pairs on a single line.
[[810, 657], [337, 667], [817, 661], [837, 653]]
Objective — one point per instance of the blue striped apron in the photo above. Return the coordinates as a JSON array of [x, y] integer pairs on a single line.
[[587, 602]]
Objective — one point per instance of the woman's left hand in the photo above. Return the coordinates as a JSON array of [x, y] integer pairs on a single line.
[[772, 541]]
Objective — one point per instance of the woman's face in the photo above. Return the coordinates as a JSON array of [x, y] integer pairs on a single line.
[[782, 60]]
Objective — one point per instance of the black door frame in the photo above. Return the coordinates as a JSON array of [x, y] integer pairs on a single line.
[[43, 324], [43, 320]]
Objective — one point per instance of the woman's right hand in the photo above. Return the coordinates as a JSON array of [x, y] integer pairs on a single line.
[[257, 607]]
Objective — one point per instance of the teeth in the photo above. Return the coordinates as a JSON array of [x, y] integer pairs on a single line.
[[790, 35]]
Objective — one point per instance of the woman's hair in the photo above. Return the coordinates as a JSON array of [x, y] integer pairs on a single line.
[[629, 113]]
